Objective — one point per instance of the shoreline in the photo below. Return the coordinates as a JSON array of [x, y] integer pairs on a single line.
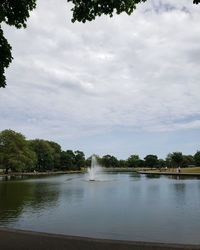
[[42, 173], [169, 173], [23, 240], [84, 171]]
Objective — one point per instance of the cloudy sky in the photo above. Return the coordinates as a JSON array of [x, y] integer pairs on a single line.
[[123, 85]]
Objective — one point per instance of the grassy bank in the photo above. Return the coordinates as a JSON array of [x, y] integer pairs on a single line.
[[42, 173], [125, 169], [193, 170]]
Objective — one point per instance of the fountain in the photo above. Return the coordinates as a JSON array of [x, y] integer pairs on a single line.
[[93, 169]]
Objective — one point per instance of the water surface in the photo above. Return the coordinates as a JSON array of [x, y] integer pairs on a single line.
[[122, 206]]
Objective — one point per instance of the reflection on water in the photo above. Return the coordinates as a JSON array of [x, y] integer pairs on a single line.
[[12, 199], [15, 196], [153, 176], [126, 206]]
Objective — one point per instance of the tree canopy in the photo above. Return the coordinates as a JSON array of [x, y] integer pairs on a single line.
[[109, 161], [18, 154], [151, 161], [44, 153], [16, 13], [14, 152], [177, 158], [88, 10], [133, 161], [197, 158]]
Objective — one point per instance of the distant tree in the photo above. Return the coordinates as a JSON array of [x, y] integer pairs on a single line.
[[188, 160], [63, 160], [133, 161], [15, 153], [56, 154], [197, 158], [88, 161], [67, 160], [141, 164], [79, 159], [109, 161], [161, 163], [168, 161], [122, 164], [44, 153], [151, 161], [177, 159]]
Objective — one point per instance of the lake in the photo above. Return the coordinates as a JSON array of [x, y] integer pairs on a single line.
[[123, 206]]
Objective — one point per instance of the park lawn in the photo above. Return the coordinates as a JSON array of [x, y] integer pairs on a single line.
[[194, 170]]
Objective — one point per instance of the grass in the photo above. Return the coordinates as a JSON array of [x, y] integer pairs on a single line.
[[191, 170], [194, 170], [119, 169]]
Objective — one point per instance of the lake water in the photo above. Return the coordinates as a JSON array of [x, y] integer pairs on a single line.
[[122, 206]]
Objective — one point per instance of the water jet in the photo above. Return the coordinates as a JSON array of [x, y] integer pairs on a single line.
[[93, 168]]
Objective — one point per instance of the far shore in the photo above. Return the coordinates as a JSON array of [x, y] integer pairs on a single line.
[[41, 173], [195, 171], [191, 171], [169, 173], [23, 240]]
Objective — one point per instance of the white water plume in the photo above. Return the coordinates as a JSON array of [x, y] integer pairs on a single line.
[[94, 168]]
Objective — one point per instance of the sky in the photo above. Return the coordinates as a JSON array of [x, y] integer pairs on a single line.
[[123, 85]]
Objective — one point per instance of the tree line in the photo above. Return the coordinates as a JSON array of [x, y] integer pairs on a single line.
[[173, 160], [18, 154]]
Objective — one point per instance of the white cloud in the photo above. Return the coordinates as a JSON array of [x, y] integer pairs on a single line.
[[139, 72]]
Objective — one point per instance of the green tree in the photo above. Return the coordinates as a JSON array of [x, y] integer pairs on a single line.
[[188, 160], [133, 161], [44, 153], [122, 164], [88, 10], [79, 159], [109, 161], [88, 161], [15, 153], [161, 163], [151, 161], [177, 159], [56, 155], [141, 163], [67, 160], [168, 160], [14, 13], [197, 158]]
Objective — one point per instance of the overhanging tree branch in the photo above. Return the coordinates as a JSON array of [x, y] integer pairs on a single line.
[[14, 13]]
